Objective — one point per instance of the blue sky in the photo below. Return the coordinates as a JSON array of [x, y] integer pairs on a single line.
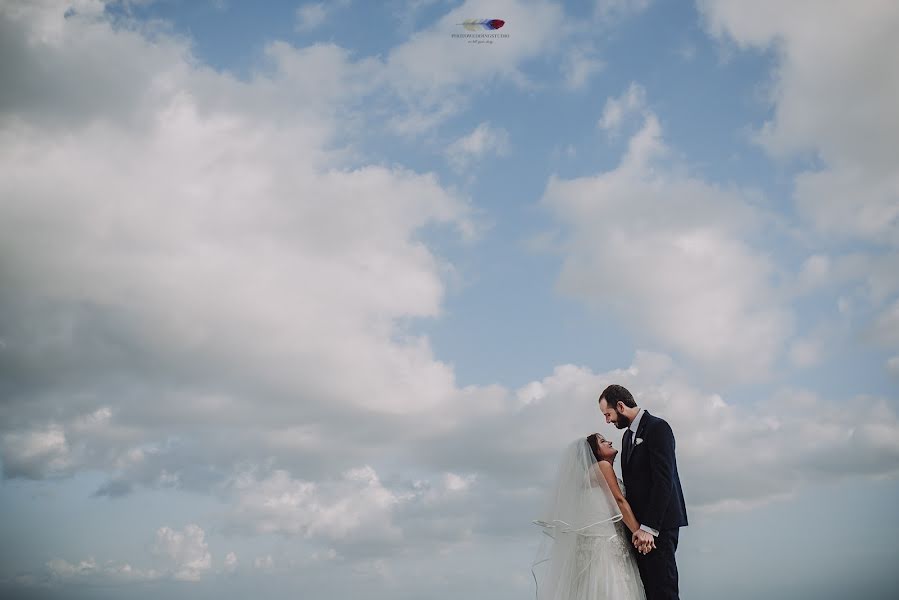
[[309, 298]]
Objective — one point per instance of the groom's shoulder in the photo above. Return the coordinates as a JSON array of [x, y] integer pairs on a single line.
[[652, 419], [655, 422]]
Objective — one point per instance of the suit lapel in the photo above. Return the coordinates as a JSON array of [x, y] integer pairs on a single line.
[[644, 420]]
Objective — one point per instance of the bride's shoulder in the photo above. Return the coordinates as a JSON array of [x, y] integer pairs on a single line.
[[608, 471], [605, 465]]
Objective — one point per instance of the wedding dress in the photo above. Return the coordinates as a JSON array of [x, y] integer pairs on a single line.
[[585, 553]]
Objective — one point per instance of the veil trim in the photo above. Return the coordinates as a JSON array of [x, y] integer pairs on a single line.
[[579, 507], [552, 524]]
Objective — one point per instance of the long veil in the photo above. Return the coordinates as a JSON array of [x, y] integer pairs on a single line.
[[581, 556]]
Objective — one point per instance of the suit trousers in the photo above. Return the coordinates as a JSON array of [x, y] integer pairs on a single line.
[[658, 570]]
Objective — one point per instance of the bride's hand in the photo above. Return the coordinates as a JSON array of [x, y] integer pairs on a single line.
[[643, 541]]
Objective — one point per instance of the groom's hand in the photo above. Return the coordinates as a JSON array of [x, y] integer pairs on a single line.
[[643, 541]]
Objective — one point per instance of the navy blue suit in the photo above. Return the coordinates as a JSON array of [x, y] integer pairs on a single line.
[[652, 485]]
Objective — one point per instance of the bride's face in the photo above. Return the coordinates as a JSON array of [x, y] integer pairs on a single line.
[[606, 450]]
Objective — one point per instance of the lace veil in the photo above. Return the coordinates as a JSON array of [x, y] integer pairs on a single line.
[[579, 551]]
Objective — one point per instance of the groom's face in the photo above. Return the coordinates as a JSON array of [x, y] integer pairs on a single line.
[[613, 416]]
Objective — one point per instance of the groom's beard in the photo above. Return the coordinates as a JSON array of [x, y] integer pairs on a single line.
[[622, 422]]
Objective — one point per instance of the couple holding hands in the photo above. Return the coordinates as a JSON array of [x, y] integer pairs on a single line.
[[608, 538]]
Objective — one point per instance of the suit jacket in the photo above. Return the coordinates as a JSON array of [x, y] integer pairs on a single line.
[[650, 476]]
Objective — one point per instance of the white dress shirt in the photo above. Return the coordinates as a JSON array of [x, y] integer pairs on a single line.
[[633, 427]]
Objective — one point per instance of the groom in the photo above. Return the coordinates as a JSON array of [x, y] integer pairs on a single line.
[[652, 486]]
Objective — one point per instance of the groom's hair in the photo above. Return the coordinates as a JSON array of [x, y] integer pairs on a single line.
[[618, 393]]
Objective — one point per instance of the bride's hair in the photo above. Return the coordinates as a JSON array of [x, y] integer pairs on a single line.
[[594, 446]]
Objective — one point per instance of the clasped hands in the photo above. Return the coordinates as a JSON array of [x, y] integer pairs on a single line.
[[643, 541]]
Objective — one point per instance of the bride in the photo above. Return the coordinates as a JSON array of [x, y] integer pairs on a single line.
[[586, 552]]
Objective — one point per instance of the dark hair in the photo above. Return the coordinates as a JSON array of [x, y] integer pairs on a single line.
[[594, 446], [618, 393]]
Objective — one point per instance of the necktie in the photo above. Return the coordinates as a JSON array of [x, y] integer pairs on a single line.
[[628, 444]]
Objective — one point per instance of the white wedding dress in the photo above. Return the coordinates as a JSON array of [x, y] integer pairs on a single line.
[[585, 553]]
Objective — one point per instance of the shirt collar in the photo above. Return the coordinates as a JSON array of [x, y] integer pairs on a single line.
[[636, 422]]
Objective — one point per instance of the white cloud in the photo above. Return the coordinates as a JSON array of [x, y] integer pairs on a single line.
[[264, 563], [187, 550], [579, 66], [616, 110], [847, 202], [231, 562], [310, 16], [457, 483], [357, 505], [834, 96], [818, 343], [89, 571], [484, 140], [184, 554], [35, 452], [326, 555], [198, 231], [356, 508], [671, 254], [867, 284], [731, 457]]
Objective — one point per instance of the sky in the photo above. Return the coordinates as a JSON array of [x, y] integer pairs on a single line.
[[306, 299]]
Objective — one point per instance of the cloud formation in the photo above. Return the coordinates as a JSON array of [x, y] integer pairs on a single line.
[[208, 288], [194, 238], [672, 254], [484, 140], [833, 98], [616, 110], [187, 550]]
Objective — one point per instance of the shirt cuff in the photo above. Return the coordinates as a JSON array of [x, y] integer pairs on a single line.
[[654, 532]]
